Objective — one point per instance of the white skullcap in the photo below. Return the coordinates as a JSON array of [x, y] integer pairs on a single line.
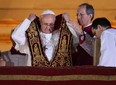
[[47, 12]]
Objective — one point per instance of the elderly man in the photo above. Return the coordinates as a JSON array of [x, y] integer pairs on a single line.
[[85, 14], [43, 43]]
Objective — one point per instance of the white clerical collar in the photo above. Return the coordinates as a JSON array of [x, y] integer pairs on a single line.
[[47, 35], [88, 25]]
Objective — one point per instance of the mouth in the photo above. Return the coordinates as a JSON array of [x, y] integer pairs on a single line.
[[50, 29]]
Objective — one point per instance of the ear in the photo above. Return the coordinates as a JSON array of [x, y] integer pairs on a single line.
[[91, 15], [99, 27]]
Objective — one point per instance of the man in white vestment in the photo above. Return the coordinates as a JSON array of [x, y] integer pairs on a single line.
[[103, 30], [49, 38]]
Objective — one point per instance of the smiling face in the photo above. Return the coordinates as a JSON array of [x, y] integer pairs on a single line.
[[47, 23]]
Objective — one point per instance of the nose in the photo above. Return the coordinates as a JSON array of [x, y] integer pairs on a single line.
[[78, 16], [48, 27]]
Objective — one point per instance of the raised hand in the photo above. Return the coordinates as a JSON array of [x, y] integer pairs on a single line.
[[76, 27], [32, 17], [66, 16]]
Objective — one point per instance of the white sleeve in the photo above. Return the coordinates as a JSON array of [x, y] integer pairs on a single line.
[[71, 30], [75, 37], [108, 48], [18, 34]]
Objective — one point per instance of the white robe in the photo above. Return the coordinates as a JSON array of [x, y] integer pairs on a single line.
[[108, 48], [21, 42]]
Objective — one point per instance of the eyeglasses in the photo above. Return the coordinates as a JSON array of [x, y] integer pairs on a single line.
[[48, 24], [80, 14]]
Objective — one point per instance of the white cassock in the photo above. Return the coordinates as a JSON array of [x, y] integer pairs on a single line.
[[108, 48], [48, 40]]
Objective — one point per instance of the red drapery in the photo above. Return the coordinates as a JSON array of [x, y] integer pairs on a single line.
[[76, 75]]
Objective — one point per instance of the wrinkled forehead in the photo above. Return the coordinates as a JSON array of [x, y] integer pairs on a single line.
[[81, 9], [48, 17]]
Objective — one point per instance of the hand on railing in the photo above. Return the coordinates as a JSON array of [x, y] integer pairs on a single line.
[[2, 61]]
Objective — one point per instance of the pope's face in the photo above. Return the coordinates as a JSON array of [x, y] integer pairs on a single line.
[[47, 23]]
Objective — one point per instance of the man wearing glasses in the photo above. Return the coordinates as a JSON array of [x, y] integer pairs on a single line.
[[43, 44], [85, 14]]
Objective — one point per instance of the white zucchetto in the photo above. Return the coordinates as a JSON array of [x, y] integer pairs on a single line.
[[47, 12]]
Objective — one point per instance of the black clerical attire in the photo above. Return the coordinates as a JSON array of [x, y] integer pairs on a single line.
[[84, 55]]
